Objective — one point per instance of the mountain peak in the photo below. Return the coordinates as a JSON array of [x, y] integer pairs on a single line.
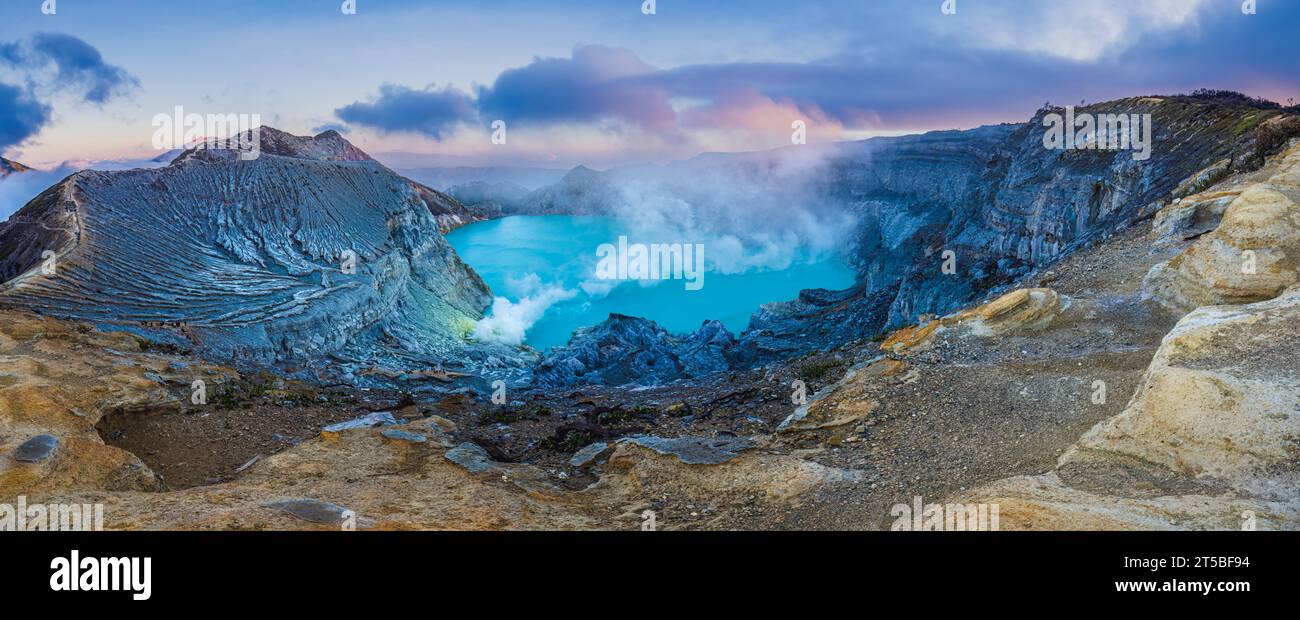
[[580, 172], [326, 146], [8, 167]]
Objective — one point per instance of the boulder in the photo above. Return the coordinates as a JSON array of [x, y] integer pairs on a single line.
[[37, 449], [1253, 255], [589, 455], [1023, 310], [311, 510], [1191, 217], [1208, 442], [1221, 399]]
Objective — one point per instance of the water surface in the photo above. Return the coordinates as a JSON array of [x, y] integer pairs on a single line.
[[543, 271]]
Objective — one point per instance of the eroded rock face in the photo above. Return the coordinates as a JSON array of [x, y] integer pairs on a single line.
[[1221, 400], [1020, 311], [630, 350], [312, 248], [1252, 255], [1209, 440], [57, 380], [1003, 205]]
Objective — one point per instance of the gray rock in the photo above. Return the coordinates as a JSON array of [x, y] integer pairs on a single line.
[[37, 449], [314, 511], [695, 450], [588, 455], [397, 435], [625, 350], [472, 457], [379, 418]]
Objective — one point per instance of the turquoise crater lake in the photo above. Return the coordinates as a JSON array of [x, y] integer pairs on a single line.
[[543, 272]]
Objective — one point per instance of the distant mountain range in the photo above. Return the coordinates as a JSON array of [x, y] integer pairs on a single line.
[[446, 178]]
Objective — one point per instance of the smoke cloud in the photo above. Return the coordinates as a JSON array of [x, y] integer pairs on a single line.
[[508, 322], [761, 211]]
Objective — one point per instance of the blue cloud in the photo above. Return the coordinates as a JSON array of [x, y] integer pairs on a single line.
[[897, 65], [431, 112], [21, 115], [78, 66], [81, 64], [597, 83]]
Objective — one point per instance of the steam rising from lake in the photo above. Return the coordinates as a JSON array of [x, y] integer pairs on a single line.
[[752, 211]]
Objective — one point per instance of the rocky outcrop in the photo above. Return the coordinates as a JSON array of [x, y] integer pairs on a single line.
[[57, 380], [629, 350], [1208, 442], [8, 167], [1253, 253], [1221, 401], [310, 249], [1020, 311]]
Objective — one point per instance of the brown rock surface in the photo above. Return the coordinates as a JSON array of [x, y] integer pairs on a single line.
[[60, 378], [1253, 254], [1208, 442], [1022, 310]]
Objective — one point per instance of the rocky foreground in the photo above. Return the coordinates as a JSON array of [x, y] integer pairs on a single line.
[[1148, 381]]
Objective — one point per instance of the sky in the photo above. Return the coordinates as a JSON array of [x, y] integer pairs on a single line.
[[601, 82]]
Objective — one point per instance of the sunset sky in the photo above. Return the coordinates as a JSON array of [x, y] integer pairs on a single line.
[[599, 82]]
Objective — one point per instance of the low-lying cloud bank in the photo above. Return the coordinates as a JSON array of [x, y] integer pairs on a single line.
[[19, 188]]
